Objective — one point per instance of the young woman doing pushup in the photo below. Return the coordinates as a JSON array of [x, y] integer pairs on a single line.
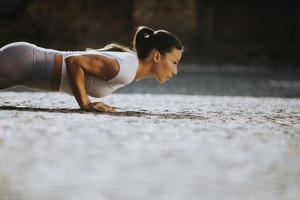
[[94, 72]]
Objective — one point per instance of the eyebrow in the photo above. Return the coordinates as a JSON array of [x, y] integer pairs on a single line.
[[176, 59]]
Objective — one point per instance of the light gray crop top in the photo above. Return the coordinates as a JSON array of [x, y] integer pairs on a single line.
[[95, 87]]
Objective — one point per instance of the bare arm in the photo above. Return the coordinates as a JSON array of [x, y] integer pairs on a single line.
[[98, 66]]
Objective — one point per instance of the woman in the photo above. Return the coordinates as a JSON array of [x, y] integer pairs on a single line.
[[95, 73]]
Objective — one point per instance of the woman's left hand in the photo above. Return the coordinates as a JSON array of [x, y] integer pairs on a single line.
[[99, 106]]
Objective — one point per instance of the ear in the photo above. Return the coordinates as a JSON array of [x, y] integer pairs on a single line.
[[156, 55]]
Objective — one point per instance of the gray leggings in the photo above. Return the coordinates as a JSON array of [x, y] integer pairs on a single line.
[[24, 64]]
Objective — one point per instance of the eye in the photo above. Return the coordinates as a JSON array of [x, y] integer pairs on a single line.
[[175, 63]]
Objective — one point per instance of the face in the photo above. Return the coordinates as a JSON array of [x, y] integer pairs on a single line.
[[166, 66]]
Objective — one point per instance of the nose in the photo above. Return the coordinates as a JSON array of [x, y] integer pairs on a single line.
[[174, 73]]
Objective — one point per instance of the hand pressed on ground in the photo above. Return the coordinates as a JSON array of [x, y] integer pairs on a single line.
[[98, 106]]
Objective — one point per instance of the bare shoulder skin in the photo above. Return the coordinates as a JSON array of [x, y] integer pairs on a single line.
[[101, 67]]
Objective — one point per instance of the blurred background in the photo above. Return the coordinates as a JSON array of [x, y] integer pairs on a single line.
[[179, 147], [244, 48]]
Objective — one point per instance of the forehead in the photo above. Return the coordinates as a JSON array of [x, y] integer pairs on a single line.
[[175, 54]]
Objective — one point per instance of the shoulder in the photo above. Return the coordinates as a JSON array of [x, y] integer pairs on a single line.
[[128, 63], [122, 64], [97, 65], [91, 58]]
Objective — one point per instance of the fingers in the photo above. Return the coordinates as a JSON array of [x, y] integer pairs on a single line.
[[104, 107], [99, 106], [110, 108], [113, 107]]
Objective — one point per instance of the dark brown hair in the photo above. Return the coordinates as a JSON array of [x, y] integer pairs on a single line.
[[144, 40]]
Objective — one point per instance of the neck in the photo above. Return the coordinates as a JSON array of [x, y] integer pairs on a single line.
[[144, 69]]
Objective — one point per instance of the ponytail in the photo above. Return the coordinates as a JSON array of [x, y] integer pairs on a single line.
[[112, 47], [145, 39]]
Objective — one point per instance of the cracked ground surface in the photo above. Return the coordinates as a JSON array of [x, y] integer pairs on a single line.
[[155, 147]]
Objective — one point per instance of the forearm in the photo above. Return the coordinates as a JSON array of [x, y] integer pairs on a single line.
[[76, 77]]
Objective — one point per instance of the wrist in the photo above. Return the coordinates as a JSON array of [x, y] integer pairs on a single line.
[[84, 104]]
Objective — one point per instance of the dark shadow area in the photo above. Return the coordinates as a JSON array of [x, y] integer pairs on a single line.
[[118, 113], [240, 39], [212, 31]]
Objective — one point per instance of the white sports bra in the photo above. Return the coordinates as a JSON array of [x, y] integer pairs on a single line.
[[95, 87]]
